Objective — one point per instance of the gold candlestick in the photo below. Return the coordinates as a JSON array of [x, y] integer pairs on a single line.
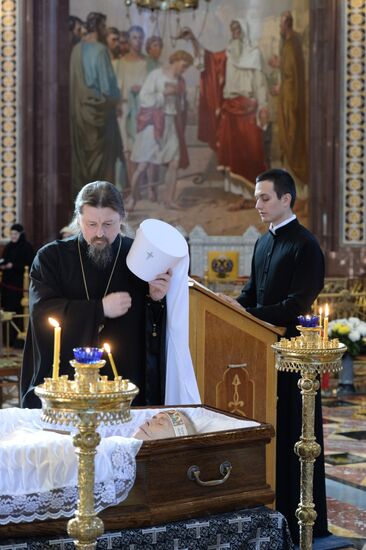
[[84, 403], [309, 355]]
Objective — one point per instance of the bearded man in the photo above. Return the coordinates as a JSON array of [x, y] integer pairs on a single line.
[[84, 283]]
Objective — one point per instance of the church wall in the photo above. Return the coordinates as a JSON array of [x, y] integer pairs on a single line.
[[36, 172], [206, 194], [337, 134]]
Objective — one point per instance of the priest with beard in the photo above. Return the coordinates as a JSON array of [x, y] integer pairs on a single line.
[[83, 282]]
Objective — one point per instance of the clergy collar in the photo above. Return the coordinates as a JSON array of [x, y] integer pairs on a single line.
[[273, 228]]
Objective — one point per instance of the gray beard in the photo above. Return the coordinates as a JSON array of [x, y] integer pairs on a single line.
[[100, 256]]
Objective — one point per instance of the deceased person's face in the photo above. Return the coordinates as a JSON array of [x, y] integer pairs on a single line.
[[164, 424]]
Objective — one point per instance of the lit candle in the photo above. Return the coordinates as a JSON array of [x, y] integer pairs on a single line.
[[325, 330], [111, 360], [320, 317], [56, 347]]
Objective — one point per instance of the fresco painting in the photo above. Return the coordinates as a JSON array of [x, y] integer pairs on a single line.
[[182, 111]]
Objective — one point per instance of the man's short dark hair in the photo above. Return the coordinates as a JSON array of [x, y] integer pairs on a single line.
[[282, 181], [100, 194], [94, 20], [112, 30], [73, 19]]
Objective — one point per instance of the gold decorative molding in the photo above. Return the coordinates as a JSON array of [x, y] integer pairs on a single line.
[[353, 221], [8, 115]]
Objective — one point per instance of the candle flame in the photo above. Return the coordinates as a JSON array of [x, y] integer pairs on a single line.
[[320, 310], [107, 347], [53, 322], [326, 311]]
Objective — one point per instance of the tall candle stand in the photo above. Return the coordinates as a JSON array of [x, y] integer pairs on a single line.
[[310, 355], [84, 403]]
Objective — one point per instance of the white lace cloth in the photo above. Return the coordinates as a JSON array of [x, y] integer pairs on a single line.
[[38, 468]]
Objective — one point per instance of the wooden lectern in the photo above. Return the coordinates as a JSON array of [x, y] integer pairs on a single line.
[[233, 359]]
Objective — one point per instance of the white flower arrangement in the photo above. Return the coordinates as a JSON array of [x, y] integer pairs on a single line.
[[351, 332]]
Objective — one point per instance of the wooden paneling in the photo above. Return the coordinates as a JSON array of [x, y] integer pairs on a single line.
[[233, 359]]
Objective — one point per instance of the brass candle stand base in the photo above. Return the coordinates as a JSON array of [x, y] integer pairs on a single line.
[[84, 403], [309, 355]]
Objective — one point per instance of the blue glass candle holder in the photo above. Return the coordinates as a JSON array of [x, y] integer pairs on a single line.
[[88, 355], [308, 321]]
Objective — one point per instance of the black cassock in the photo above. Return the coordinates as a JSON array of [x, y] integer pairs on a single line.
[[19, 254], [57, 290], [287, 276]]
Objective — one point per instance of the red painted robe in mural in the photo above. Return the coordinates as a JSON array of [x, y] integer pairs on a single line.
[[229, 124]]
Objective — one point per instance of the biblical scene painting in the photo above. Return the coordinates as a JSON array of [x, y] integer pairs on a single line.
[[183, 111]]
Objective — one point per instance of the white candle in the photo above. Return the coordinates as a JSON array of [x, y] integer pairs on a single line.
[[56, 347], [111, 360]]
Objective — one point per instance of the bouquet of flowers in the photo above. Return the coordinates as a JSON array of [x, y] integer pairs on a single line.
[[351, 332]]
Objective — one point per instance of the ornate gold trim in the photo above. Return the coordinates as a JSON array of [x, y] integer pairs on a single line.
[[353, 154], [8, 116]]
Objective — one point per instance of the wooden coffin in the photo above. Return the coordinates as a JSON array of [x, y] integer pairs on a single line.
[[163, 491]]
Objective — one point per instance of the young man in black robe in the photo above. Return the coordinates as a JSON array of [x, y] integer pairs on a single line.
[[84, 283], [287, 276]]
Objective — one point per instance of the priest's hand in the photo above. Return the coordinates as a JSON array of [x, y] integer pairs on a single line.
[[116, 304], [160, 286], [229, 299]]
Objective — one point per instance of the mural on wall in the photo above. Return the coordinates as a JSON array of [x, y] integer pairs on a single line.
[[182, 111]]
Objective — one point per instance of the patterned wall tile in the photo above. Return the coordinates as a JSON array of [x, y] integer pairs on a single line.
[[8, 115], [353, 158]]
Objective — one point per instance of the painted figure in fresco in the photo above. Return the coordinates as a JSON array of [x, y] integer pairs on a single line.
[[114, 47], [94, 97], [160, 138], [233, 109], [75, 29], [113, 43], [124, 46], [131, 74], [154, 47], [291, 99]]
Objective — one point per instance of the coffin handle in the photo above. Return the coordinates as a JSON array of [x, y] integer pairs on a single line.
[[194, 472]]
